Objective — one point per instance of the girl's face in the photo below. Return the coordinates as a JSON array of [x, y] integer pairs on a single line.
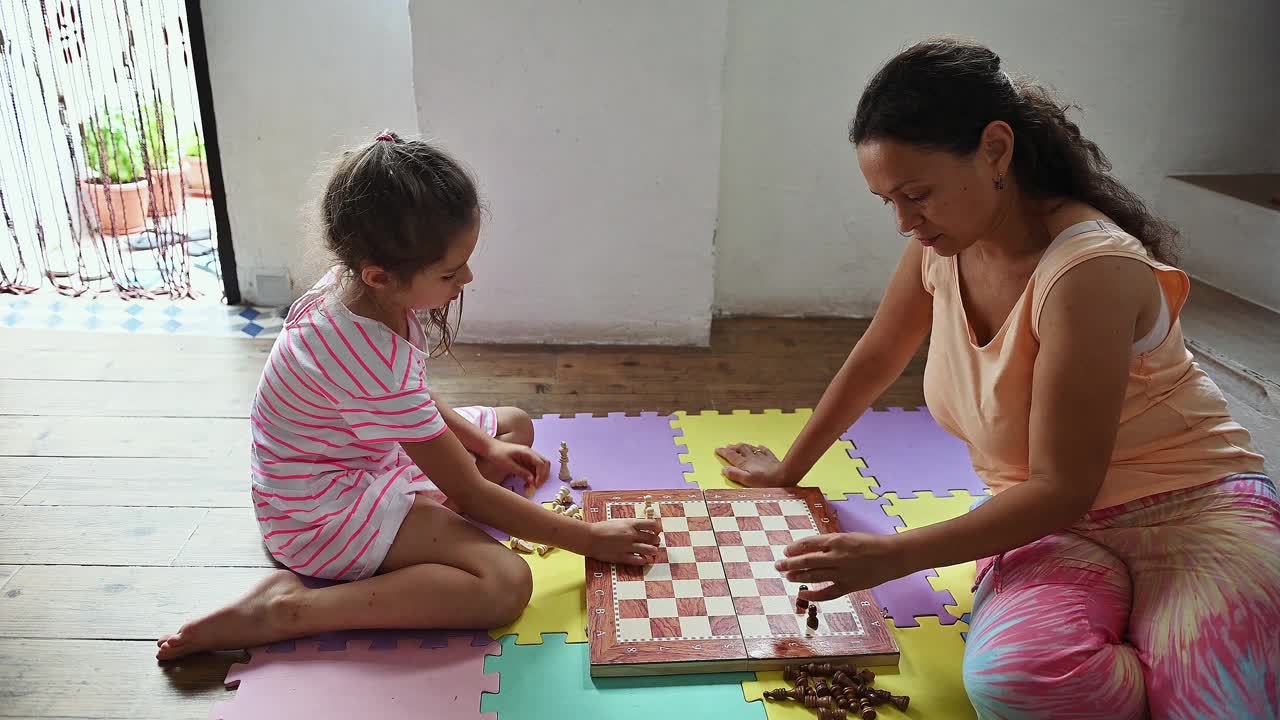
[[945, 201], [434, 286], [441, 282]]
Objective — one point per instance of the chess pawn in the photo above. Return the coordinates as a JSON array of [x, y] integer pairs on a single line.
[[802, 679], [821, 689], [818, 701], [900, 701], [831, 714], [841, 678], [564, 497], [790, 673], [801, 603], [866, 676], [578, 484], [812, 622], [868, 712]]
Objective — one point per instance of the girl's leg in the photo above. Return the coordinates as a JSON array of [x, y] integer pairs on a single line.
[[441, 572], [1047, 636], [1206, 607]]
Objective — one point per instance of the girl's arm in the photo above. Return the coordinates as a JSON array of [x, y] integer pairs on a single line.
[[900, 324], [1087, 330], [445, 460]]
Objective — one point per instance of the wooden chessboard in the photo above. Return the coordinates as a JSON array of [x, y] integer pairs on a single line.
[[712, 600]]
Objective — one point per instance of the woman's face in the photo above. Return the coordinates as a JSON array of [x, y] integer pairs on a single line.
[[945, 201]]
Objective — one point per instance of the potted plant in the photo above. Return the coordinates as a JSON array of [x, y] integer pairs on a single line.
[[162, 156], [195, 170], [115, 188]]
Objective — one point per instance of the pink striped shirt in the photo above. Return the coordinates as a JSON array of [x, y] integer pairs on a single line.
[[338, 396]]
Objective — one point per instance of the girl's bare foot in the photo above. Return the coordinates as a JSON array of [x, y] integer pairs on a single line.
[[262, 616]]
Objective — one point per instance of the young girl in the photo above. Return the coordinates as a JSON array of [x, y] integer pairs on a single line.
[[346, 434]]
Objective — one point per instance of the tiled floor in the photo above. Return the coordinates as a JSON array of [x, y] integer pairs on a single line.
[[109, 313]]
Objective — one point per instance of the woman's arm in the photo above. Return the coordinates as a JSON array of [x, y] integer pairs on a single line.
[[1087, 330], [900, 324]]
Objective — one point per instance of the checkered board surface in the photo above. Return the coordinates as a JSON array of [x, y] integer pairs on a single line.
[[712, 599]]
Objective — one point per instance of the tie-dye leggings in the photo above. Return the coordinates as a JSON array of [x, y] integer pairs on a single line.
[[1164, 607]]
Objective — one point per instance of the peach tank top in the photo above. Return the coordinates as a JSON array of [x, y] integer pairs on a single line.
[[1175, 431]]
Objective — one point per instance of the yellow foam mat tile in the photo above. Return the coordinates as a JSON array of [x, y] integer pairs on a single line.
[[929, 673], [926, 509], [836, 473], [559, 602]]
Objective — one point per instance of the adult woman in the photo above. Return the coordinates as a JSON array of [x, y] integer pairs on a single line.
[[1132, 543]]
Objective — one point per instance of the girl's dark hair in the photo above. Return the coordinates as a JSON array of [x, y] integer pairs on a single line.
[[942, 93], [397, 204]]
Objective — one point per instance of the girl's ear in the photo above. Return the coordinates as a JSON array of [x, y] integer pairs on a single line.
[[376, 278]]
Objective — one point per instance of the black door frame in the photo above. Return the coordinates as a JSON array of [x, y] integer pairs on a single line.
[[204, 92]]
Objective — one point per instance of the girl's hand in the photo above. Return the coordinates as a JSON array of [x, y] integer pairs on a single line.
[[624, 541], [849, 561], [519, 460], [753, 466]]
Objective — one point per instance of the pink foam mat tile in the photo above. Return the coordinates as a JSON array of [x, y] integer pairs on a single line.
[[445, 683]]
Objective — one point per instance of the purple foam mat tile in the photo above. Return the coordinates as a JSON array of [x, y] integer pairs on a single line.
[[617, 452], [911, 596], [906, 597], [908, 452], [858, 514]]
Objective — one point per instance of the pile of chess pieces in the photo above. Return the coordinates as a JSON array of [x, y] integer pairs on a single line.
[[562, 505], [848, 692]]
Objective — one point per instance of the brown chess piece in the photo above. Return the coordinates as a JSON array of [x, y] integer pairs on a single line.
[[801, 603], [795, 693], [812, 622]]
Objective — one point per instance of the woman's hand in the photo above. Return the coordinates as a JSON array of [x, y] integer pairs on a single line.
[[849, 561], [519, 460], [624, 541], [753, 466]]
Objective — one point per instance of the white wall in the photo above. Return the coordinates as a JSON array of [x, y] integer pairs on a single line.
[[1167, 87], [594, 129], [1227, 242], [294, 81]]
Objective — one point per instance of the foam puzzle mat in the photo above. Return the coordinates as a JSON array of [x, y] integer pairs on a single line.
[[836, 473], [539, 666]]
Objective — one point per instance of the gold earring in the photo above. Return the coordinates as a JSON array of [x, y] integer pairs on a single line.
[[999, 181]]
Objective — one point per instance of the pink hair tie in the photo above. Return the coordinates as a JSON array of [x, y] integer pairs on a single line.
[[386, 136]]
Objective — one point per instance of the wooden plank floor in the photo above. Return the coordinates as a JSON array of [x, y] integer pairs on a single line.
[[123, 506]]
